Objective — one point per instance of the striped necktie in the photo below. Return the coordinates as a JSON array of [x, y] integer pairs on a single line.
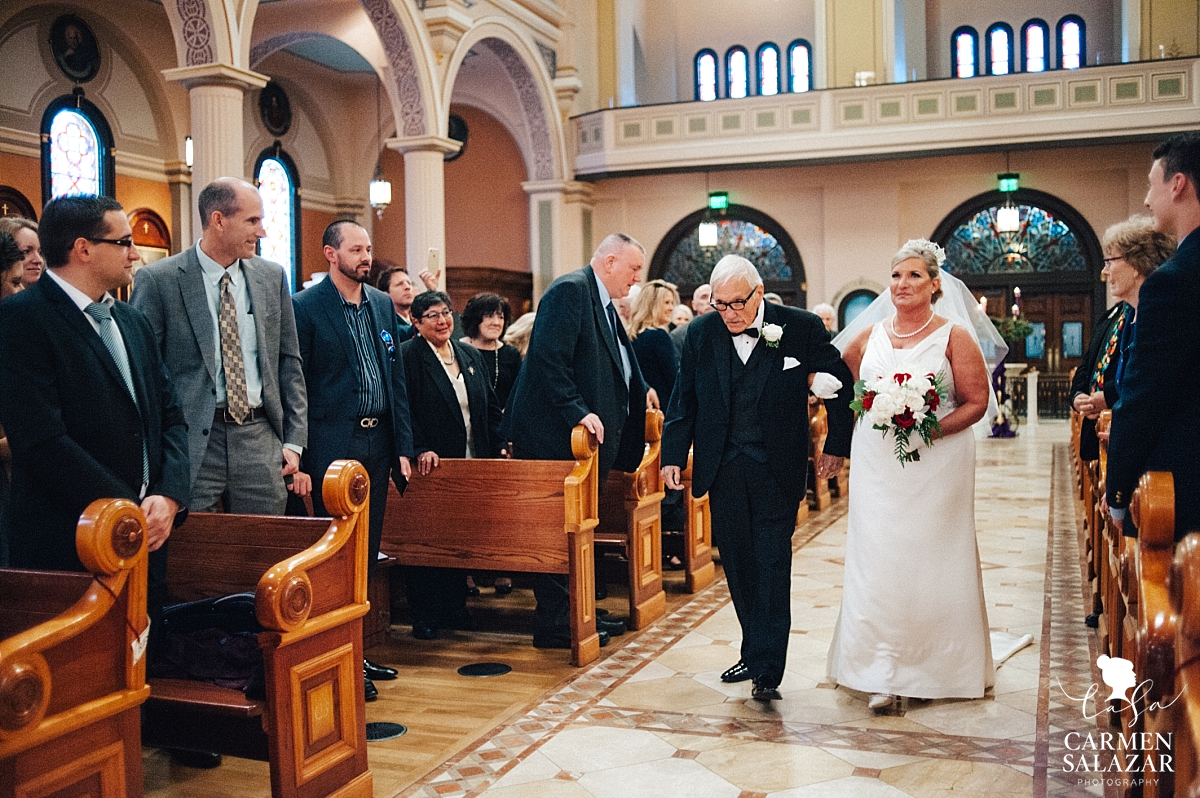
[[102, 314]]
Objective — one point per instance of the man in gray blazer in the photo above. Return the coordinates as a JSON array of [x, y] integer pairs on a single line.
[[224, 321]]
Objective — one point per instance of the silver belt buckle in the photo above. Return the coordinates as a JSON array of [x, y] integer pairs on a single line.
[[368, 423]]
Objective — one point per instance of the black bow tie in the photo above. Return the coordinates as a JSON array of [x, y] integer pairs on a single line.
[[750, 331]]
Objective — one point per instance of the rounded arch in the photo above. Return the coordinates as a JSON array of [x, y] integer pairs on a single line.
[[282, 210], [412, 92], [532, 117], [788, 282], [202, 32], [106, 178]]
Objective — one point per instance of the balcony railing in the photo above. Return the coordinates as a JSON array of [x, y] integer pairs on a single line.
[[1095, 104]]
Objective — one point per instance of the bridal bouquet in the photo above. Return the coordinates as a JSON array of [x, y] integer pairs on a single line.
[[901, 404]]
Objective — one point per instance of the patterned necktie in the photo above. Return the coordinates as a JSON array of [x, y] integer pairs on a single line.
[[103, 316], [231, 355]]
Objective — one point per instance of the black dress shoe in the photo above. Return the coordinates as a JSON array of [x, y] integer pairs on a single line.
[[738, 673], [424, 631], [379, 672], [614, 628], [369, 688], [563, 641], [765, 690], [503, 589], [203, 760], [1092, 621]]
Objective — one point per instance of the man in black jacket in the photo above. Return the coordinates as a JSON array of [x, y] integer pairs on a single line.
[[741, 403], [580, 369], [88, 406], [1155, 426]]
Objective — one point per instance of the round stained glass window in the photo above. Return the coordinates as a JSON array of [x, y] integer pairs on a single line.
[[691, 264], [1041, 243]]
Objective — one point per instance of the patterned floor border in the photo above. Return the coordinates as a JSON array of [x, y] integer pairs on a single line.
[[1067, 654]]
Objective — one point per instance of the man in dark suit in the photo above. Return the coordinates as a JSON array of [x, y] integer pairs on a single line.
[[1155, 426], [224, 323], [741, 403], [84, 397], [356, 395], [580, 369]]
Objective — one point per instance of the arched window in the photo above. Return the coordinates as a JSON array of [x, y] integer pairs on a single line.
[[767, 58], [77, 149], [275, 174], [964, 52], [1000, 49], [706, 75], [799, 66], [1072, 44], [855, 302], [1035, 43], [737, 73]]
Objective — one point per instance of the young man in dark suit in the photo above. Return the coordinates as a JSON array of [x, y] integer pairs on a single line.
[[580, 369], [741, 403], [356, 394], [1155, 426], [84, 397]]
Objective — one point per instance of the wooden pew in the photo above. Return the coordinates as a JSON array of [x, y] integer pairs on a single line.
[[1118, 583], [71, 676], [631, 518], [1185, 601], [309, 577], [698, 568], [534, 516]]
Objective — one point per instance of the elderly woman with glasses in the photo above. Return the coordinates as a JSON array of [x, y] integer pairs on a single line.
[[1132, 251], [454, 414]]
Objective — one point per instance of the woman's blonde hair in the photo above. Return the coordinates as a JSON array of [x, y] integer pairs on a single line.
[[648, 304], [519, 331], [927, 252], [1139, 244]]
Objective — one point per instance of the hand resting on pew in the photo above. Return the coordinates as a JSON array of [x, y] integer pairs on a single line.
[[160, 514]]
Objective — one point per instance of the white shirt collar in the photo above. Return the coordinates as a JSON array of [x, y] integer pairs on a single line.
[[81, 299], [213, 271], [605, 297], [758, 318]]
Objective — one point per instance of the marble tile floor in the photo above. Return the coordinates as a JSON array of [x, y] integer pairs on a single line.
[[654, 719]]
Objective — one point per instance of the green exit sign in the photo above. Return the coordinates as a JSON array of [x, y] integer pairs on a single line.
[[718, 200], [1009, 182]]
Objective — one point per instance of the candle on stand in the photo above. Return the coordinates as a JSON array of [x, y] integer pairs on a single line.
[[983, 305], [1016, 310]]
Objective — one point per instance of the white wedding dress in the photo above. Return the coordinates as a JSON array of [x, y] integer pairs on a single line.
[[913, 620]]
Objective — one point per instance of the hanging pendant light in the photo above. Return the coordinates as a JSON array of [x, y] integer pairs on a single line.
[[380, 190]]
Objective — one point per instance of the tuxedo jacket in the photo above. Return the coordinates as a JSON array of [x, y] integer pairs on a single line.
[[437, 417], [171, 294], [573, 368], [330, 362], [1155, 424], [699, 412], [75, 432], [1089, 445]]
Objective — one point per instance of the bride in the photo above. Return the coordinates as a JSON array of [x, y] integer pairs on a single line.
[[913, 620]]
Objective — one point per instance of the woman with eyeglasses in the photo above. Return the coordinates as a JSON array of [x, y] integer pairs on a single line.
[[1132, 251], [454, 414]]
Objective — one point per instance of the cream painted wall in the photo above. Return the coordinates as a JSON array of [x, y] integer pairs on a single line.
[[1102, 18], [1170, 27], [847, 220]]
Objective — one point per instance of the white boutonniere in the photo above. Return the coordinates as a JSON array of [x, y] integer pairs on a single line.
[[771, 333]]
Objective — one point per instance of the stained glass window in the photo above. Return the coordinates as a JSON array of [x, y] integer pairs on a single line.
[[999, 49], [278, 194], [768, 69], [691, 264], [1043, 243], [706, 76], [800, 66], [75, 155], [966, 47], [1035, 36], [1071, 52], [737, 73]]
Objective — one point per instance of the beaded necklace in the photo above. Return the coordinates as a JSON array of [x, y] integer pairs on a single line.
[[1114, 343]]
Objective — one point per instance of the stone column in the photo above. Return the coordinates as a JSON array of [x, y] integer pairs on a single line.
[[216, 92], [179, 178], [560, 229], [424, 201]]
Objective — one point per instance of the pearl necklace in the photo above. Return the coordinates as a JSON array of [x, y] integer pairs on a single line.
[[914, 332], [450, 362]]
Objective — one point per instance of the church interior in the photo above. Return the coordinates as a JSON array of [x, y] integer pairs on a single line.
[[496, 143]]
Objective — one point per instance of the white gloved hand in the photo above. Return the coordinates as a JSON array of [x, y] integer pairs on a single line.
[[825, 386]]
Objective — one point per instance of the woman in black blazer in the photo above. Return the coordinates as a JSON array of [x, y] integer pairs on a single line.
[[1132, 251], [447, 385]]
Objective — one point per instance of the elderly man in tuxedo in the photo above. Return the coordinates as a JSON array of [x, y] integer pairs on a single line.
[[87, 404], [580, 369], [741, 403], [224, 322], [1155, 426]]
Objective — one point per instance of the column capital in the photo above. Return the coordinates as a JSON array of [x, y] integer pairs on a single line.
[[216, 75], [423, 144], [569, 190]]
